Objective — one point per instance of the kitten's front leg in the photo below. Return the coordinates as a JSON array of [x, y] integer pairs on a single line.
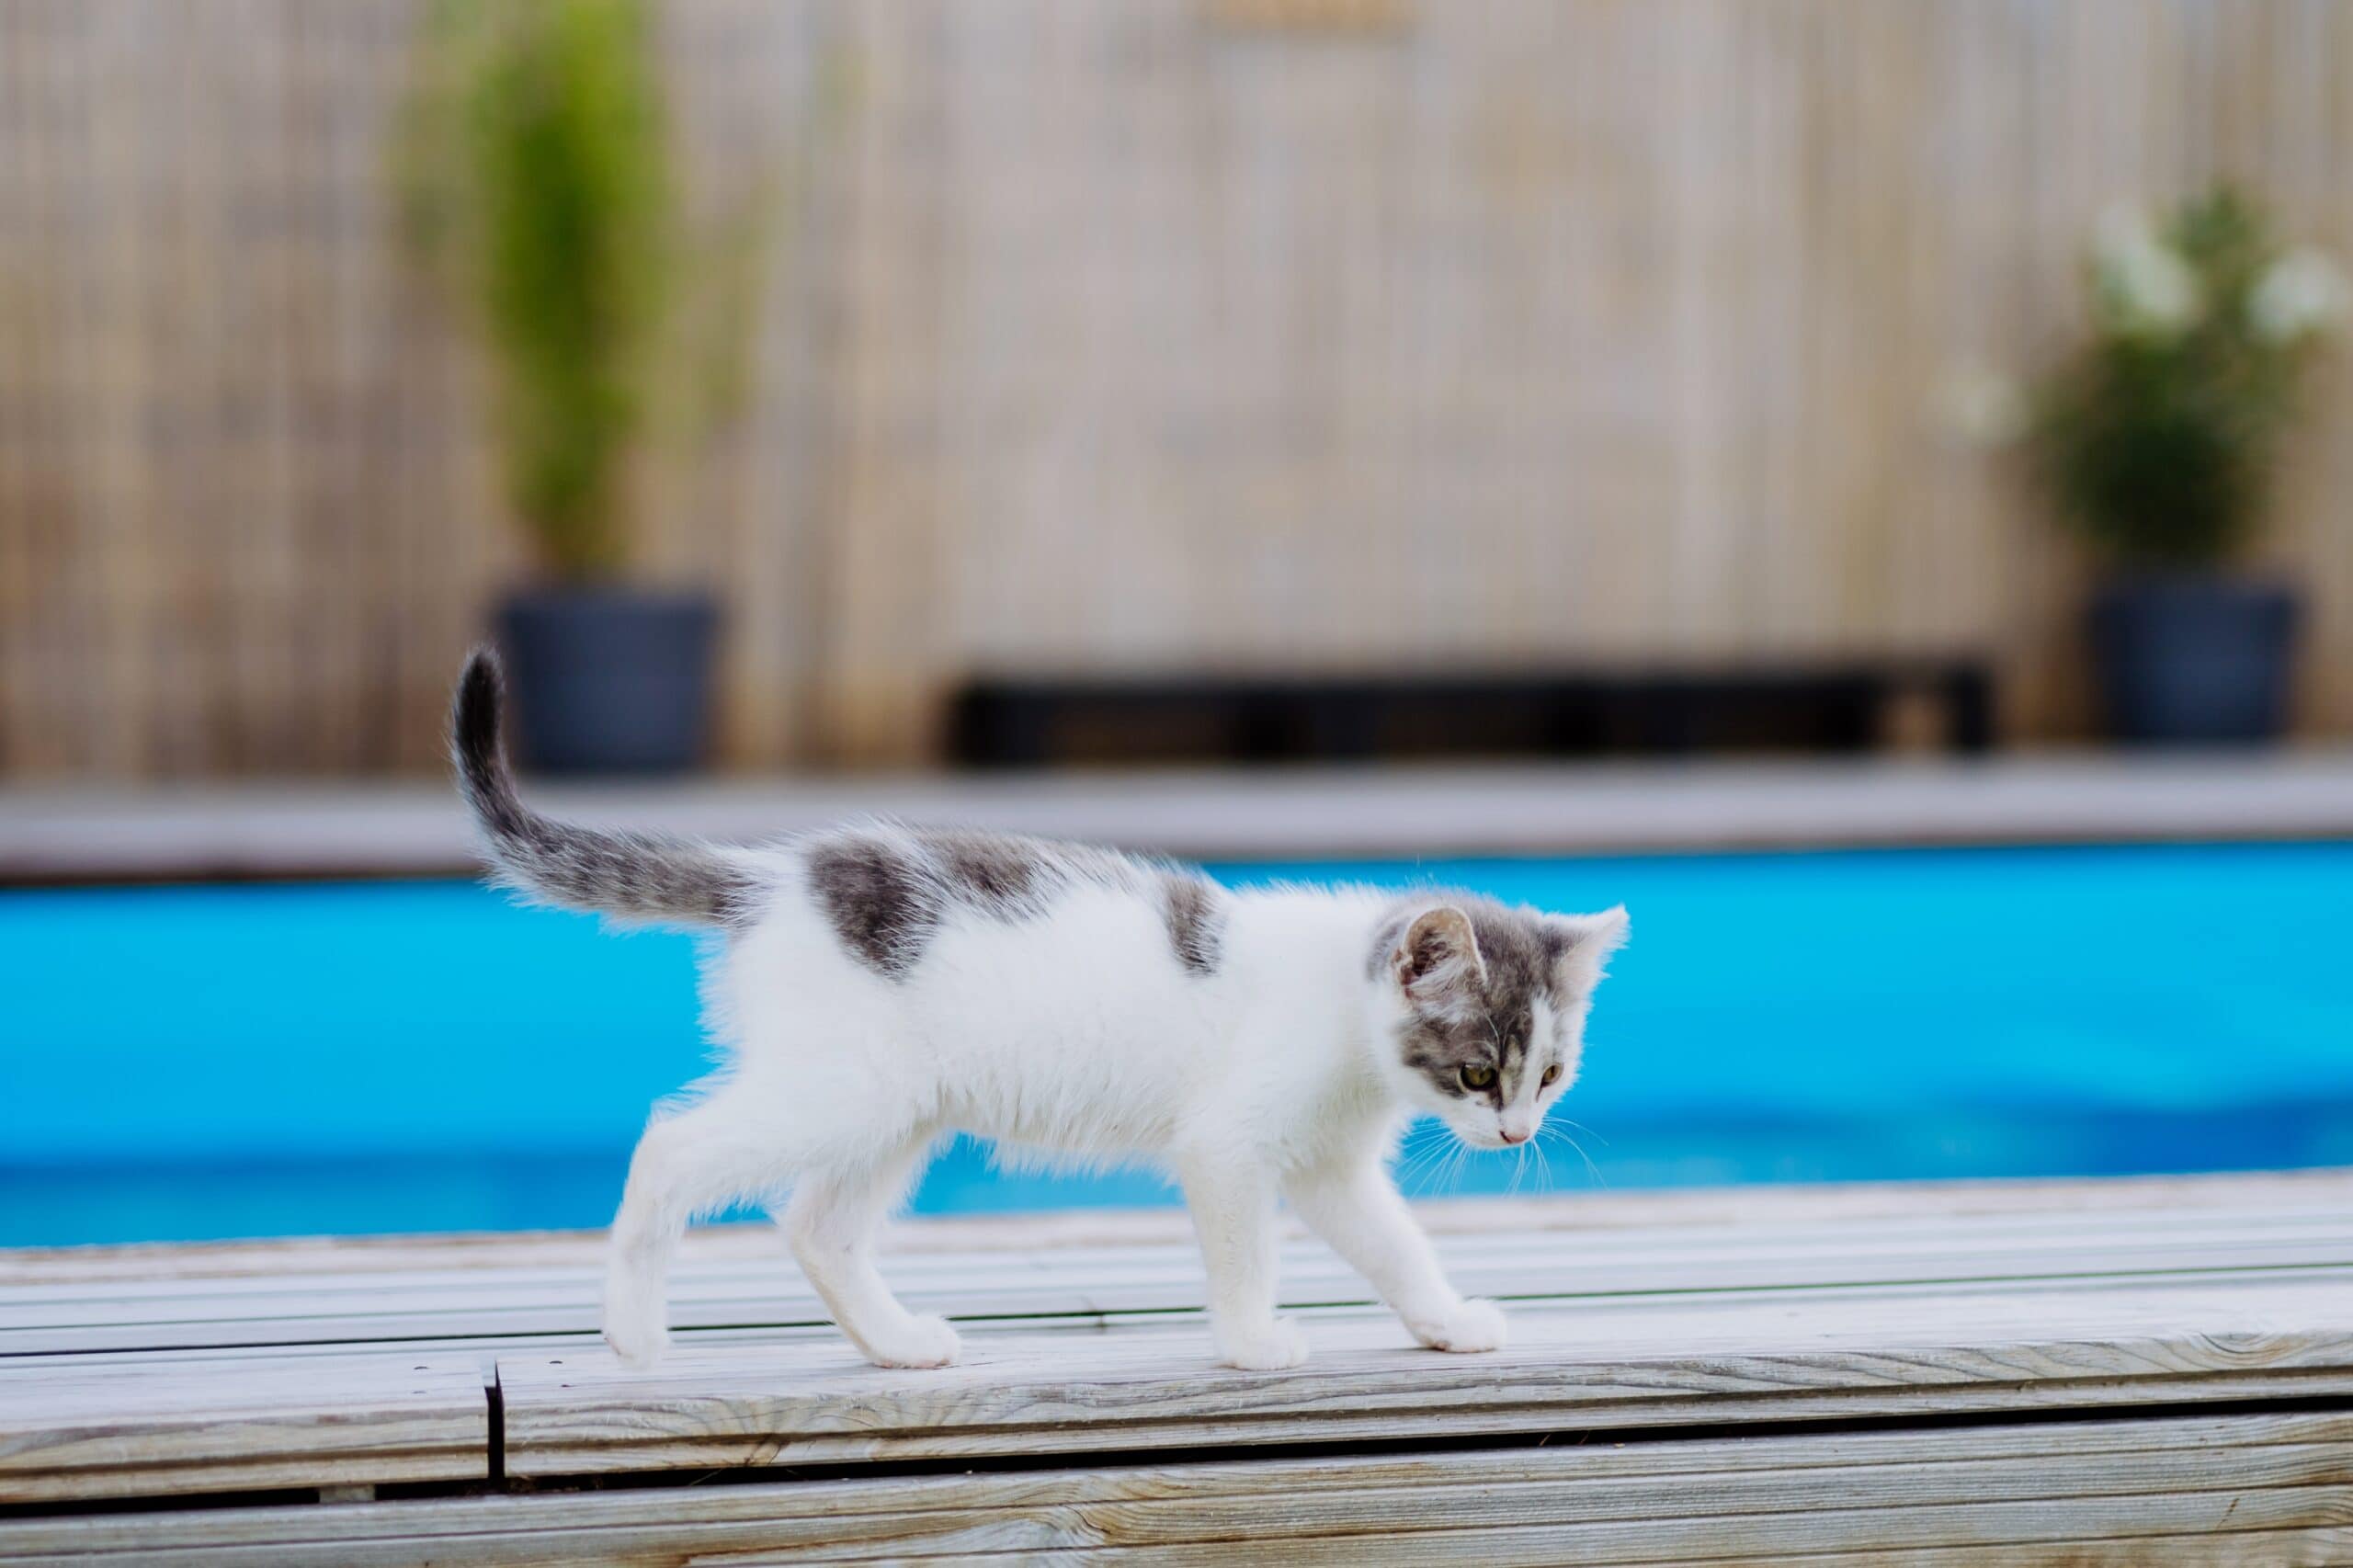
[[1357, 1209], [1234, 1212]]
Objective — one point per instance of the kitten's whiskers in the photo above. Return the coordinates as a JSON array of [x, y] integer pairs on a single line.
[[1550, 1131]]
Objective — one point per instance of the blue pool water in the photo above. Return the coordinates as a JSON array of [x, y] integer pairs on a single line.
[[198, 1062]]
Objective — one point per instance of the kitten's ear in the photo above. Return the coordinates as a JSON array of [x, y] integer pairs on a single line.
[[1587, 941], [1438, 956]]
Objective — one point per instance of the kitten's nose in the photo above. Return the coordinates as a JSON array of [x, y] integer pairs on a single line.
[[1510, 1136]]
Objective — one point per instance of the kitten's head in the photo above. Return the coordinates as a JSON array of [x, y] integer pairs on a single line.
[[1485, 1008]]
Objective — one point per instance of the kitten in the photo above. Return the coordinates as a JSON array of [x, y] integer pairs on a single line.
[[881, 987]]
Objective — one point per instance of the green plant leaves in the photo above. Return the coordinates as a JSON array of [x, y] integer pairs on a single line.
[[2157, 435], [536, 178]]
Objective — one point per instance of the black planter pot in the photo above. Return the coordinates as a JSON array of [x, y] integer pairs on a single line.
[[2191, 660], [608, 680]]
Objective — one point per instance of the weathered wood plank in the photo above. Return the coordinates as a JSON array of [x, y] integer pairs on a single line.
[[1610, 1364], [1926, 1240], [717, 1253], [2321, 1546], [1817, 1314], [1890, 1209], [1769, 1491], [787, 1302], [452, 1304], [2144, 1532], [145, 1429]]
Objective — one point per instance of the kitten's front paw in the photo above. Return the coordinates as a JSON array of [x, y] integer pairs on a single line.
[[918, 1341], [1267, 1347], [1470, 1326]]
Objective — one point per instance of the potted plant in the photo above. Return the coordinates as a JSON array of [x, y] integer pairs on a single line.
[[2156, 438], [538, 183]]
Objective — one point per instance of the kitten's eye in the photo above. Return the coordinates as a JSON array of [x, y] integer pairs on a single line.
[[1478, 1077], [1552, 1074]]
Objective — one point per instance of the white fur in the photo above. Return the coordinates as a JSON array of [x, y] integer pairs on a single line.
[[1073, 1035]]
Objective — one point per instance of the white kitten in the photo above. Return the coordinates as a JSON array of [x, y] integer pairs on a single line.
[[881, 988]]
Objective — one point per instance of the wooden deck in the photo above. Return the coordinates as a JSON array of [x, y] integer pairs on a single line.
[[2148, 1372]]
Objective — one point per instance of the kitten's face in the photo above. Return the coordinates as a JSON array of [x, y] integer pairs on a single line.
[[1487, 1007]]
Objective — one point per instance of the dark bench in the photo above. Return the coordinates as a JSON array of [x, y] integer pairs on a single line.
[[1017, 720]]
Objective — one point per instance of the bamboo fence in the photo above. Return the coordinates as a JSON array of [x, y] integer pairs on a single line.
[[1177, 334]]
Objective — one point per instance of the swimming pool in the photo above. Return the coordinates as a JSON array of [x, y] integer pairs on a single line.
[[270, 1059]]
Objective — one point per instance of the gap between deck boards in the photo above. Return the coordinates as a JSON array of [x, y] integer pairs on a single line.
[[2230, 1482], [1760, 1435], [2086, 1417]]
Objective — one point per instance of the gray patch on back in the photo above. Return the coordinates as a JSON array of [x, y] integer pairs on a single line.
[[886, 893], [1196, 920], [1003, 875], [880, 905]]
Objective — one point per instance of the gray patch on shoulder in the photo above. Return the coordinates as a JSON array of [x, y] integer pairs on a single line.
[[880, 904], [1196, 920]]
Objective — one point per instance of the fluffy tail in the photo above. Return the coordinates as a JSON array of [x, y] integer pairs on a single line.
[[634, 875]]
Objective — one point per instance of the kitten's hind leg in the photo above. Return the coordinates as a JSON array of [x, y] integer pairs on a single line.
[[830, 1223], [693, 1161]]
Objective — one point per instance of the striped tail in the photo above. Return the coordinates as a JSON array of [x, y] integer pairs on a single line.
[[636, 876]]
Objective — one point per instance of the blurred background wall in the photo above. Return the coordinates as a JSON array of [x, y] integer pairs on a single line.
[[1183, 334]]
